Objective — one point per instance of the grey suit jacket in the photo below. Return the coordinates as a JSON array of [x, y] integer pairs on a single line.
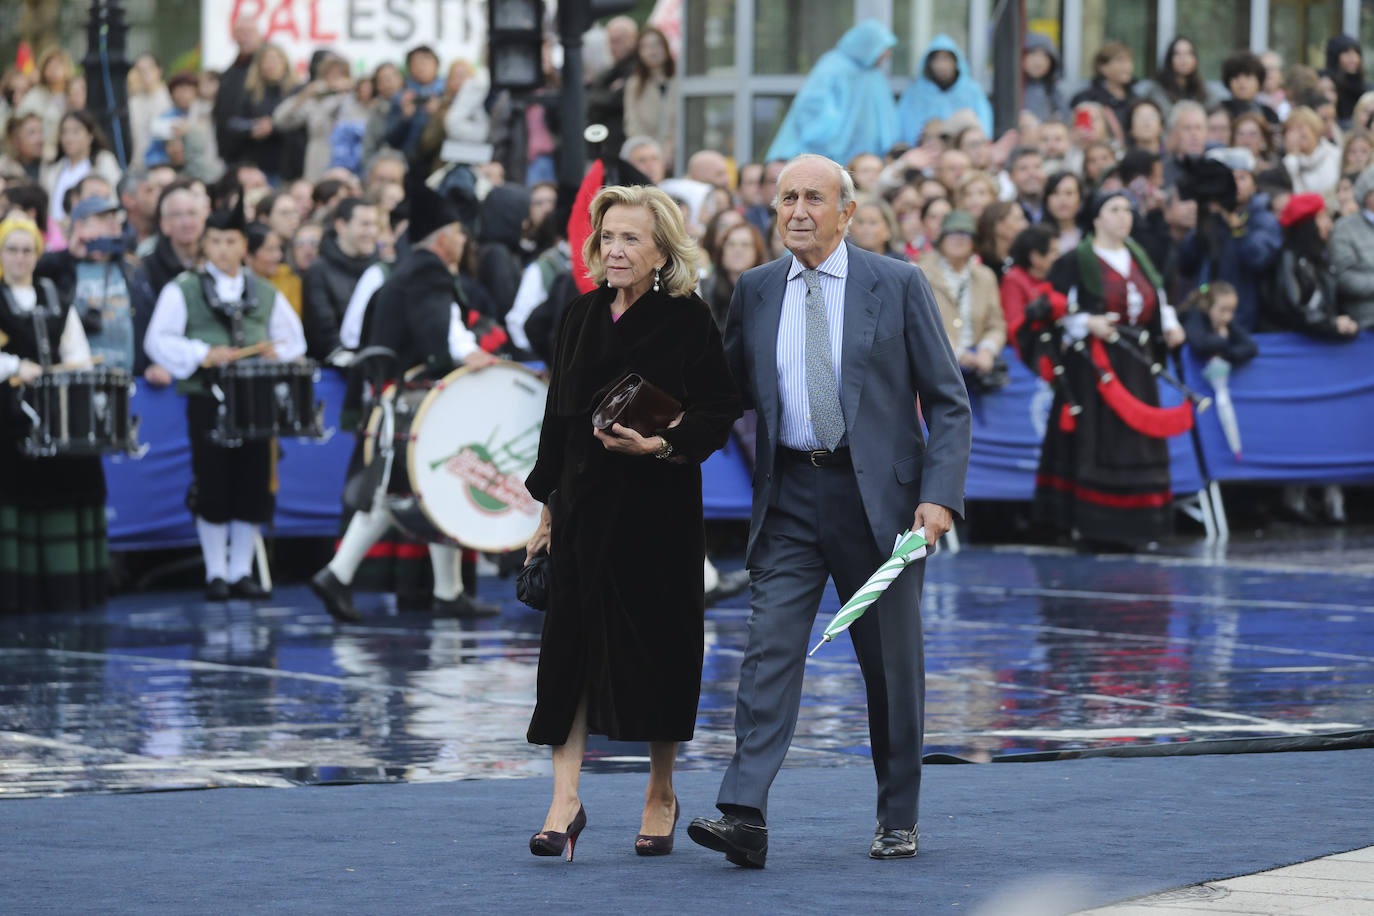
[[895, 350]]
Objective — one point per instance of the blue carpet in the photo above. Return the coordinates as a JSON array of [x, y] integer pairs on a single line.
[[1123, 826]]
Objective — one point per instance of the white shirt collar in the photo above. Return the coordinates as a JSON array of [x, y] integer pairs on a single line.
[[228, 286], [837, 265]]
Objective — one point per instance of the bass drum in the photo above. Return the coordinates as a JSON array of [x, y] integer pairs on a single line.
[[466, 443]]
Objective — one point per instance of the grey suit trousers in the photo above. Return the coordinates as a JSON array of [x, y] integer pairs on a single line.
[[816, 529]]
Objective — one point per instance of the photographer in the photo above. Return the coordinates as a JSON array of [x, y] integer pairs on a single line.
[[1237, 239], [317, 107], [110, 296]]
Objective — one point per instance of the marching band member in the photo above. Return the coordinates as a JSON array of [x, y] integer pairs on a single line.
[[201, 320], [415, 315], [1104, 468], [53, 554]]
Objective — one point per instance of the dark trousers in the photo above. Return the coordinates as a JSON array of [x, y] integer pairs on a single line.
[[814, 530], [227, 484]]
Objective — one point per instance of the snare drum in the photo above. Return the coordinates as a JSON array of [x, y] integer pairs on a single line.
[[79, 412], [466, 444], [266, 399]]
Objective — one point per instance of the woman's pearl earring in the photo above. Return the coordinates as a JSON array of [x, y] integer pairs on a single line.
[[656, 278]]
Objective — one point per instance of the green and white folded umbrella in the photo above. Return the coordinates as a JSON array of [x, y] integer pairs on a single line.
[[910, 546]]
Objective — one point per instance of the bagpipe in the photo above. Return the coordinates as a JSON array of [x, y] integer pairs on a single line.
[[1038, 342]]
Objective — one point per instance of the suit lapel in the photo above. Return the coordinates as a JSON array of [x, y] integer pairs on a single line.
[[768, 315], [860, 318]]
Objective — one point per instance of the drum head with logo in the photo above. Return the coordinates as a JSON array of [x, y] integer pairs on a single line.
[[474, 440]]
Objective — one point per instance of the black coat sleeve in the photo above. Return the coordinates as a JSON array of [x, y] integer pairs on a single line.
[[1202, 339], [141, 303], [548, 466], [321, 324], [711, 403]]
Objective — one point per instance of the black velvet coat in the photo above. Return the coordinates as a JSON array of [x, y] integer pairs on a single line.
[[625, 624]]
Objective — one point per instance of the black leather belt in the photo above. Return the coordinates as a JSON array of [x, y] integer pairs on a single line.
[[819, 458]]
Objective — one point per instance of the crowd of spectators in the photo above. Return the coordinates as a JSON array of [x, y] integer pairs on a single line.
[[320, 157]]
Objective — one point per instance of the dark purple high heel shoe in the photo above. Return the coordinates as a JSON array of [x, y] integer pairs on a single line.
[[551, 842], [646, 845]]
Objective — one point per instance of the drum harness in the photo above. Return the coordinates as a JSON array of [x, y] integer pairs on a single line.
[[40, 315], [233, 312]]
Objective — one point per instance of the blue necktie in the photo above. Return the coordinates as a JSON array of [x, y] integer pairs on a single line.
[[822, 389]]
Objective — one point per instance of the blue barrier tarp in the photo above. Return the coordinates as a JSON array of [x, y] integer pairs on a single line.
[[1305, 409], [147, 503], [1009, 425]]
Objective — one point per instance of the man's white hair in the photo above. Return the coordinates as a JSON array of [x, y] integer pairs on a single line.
[[627, 149], [848, 193]]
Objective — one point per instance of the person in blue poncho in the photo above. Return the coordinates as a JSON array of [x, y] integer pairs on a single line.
[[943, 86], [845, 106]]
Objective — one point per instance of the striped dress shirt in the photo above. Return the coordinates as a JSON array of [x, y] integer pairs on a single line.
[[796, 431]]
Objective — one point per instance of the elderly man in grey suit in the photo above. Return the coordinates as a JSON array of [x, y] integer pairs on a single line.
[[833, 347]]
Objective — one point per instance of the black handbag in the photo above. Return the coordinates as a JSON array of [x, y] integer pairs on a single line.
[[638, 404], [532, 583]]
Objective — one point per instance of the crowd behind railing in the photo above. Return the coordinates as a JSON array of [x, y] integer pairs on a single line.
[[1252, 188]]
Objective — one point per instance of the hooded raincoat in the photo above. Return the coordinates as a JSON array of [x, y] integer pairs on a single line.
[[845, 106], [924, 99], [1041, 97]]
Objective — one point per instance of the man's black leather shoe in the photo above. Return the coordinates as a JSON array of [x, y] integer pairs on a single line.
[[337, 597], [743, 844], [248, 587], [894, 843], [216, 590]]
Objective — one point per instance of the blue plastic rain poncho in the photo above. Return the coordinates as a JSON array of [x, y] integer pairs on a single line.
[[924, 99], [845, 106]]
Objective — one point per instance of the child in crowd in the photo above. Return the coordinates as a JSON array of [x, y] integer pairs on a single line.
[[1208, 322]]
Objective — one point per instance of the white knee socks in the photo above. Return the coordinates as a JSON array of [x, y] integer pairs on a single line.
[[214, 546], [243, 538], [448, 578], [364, 530]]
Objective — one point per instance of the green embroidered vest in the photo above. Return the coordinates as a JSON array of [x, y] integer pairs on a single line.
[[203, 324]]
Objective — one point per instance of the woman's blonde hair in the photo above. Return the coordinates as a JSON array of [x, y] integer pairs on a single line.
[[972, 178], [679, 274], [18, 223], [1302, 116], [46, 57], [256, 85], [884, 210]]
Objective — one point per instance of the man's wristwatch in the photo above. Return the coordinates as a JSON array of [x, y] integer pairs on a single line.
[[664, 450]]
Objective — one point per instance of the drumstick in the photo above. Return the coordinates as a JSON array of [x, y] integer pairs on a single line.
[[76, 364], [254, 349], [250, 350], [72, 366]]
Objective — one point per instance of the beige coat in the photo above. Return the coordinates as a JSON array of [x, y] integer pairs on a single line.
[[653, 112], [985, 304]]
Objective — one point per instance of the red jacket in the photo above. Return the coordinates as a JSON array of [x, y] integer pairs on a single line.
[[1018, 288]]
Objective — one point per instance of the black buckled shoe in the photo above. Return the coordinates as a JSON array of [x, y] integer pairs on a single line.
[[743, 844], [248, 588], [894, 843], [337, 597], [464, 606], [216, 590]]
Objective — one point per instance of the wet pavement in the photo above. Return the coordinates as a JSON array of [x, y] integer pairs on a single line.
[[1028, 649]]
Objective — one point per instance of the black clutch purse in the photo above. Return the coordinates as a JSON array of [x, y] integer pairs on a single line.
[[532, 583], [638, 404]]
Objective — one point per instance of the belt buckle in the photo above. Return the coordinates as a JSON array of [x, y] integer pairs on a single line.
[[817, 456]]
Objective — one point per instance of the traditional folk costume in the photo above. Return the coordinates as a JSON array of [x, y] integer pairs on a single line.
[[53, 551], [1104, 465], [414, 314], [231, 487]]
